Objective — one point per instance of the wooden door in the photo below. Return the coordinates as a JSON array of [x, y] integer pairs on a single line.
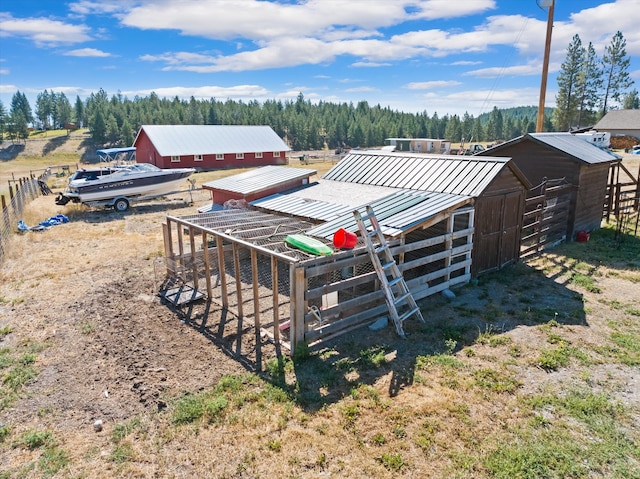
[[498, 226], [512, 210]]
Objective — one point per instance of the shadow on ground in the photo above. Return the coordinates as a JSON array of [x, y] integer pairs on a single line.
[[519, 295]]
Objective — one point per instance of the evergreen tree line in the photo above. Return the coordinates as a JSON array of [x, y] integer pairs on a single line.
[[588, 85], [114, 121]]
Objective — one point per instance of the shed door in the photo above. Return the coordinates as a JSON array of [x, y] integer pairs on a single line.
[[511, 228], [498, 231]]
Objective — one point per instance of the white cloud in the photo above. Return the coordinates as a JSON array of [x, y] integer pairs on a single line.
[[516, 70], [204, 92], [87, 52], [431, 85], [369, 64], [43, 32]]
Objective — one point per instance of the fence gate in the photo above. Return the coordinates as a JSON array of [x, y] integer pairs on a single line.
[[546, 216], [623, 193]]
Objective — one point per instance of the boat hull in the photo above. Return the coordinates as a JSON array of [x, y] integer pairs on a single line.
[[129, 184]]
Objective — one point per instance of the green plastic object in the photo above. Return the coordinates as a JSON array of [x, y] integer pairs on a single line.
[[308, 244]]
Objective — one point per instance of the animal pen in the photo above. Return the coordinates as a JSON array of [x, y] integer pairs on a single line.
[[239, 260]]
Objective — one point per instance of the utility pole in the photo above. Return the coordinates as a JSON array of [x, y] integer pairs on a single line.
[[545, 65]]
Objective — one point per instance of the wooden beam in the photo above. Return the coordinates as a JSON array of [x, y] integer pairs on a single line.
[[207, 264], [256, 297], [276, 299], [222, 272], [238, 275]]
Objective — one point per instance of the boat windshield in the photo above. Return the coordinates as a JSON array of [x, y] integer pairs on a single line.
[[140, 167]]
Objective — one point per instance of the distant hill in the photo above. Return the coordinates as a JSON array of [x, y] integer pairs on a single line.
[[518, 112]]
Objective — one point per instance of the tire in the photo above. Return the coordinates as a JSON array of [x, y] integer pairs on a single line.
[[121, 205]]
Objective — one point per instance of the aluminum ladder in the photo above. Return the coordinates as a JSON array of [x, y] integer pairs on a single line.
[[396, 292]]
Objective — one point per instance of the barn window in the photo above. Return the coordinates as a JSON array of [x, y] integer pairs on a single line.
[[219, 156], [276, 154], [239, 156], [175, 159], [258, 154], [197, 157]]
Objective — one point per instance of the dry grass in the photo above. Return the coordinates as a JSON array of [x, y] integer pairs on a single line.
[[527, 373]]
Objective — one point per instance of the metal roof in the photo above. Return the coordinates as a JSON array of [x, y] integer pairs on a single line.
[[259, 179], [398, 212], [323, 200], [619, 120], [576, 147], [461, 175], [302, 207], [175, 140]]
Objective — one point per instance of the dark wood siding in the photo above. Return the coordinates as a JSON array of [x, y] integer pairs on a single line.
[[498, 223], [538, 161], [590, 198]]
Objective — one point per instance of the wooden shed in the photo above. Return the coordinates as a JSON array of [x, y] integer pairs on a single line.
[[445, 219], [209, 147], [555, 156], [496, 185], [258, 183], [240, 260]]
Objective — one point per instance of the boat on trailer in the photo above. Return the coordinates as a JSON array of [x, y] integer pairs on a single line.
[[121, 183]]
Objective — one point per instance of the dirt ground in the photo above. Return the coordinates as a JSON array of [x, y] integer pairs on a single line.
[[83, 296], [94, 298]]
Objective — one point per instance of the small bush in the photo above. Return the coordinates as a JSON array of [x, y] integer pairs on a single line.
[[393, 462], [36, 439]]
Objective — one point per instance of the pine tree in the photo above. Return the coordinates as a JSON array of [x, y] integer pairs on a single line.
[[567, 99], [79, 111], [3, 120], [589, 85], [615, 64], [631, 100]]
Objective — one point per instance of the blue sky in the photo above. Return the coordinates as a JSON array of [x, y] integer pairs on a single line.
[[438, 56]]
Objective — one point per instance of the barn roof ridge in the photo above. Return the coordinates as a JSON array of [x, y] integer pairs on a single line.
[[177, 140]]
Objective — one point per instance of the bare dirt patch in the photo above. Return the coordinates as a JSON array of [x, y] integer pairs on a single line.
[[82, 297]]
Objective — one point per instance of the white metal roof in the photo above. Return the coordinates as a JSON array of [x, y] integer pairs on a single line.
[[334, 203], [259, 179], [398, 212], [175, 140], [461, 175]]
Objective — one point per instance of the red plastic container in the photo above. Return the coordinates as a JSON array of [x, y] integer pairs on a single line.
[[582, 236], [344, 239]]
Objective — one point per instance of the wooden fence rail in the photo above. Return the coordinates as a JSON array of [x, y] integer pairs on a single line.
[[21, 192], [546, 216]]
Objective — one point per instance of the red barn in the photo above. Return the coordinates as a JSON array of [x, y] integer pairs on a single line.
[[209, 147]]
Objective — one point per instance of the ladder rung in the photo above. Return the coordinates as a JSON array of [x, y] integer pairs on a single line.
[[373, 233], [408, 314], [402, 299], [389, 265], [381, 248], [395, 281]]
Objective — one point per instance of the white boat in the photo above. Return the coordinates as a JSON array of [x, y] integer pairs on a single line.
[[123, 184]]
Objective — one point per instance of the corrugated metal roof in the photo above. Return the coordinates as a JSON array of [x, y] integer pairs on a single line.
[[323, 200], [397, 212], [460, 175], [172, 140], [259, 179], [576, 147], [302, 207], [619, 120]]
